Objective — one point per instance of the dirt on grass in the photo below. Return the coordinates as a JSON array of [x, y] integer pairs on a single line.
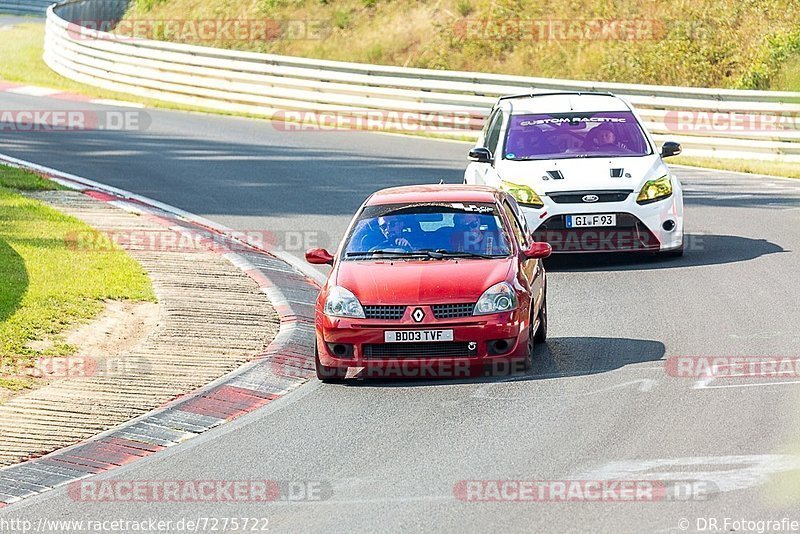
[[118, 329]]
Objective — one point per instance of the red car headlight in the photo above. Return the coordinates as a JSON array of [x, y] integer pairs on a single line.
[[498, 298], [342, 303]]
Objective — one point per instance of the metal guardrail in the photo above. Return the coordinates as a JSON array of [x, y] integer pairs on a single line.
[[266, 84], [25, 7]]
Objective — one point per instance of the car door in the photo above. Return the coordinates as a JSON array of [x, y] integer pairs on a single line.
[[478, 173], [531, 272]]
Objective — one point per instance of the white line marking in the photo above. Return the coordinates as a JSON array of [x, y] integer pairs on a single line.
[[758, 384], [729, 473], [704, 382], [32, 90], [711, 375], [116, 103], [757, 335], [646, 384]]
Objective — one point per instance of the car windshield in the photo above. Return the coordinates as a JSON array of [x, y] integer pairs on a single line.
[[574, 135], [431, 231]]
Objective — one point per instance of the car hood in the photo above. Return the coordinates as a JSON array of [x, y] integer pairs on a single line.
[[583, 174], [421, 282]]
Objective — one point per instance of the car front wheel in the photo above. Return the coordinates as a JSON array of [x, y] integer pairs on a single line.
[[541, 332]]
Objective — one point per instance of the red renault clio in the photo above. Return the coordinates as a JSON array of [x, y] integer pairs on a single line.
[[431, 281]]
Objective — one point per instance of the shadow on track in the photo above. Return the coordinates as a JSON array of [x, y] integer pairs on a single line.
[[701, 250], [557, 358]]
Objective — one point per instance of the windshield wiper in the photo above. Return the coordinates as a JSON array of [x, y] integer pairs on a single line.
[[434, 254], [366, 253], [442, 253]]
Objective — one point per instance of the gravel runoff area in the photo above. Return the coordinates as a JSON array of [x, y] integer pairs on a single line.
[[212, 319]]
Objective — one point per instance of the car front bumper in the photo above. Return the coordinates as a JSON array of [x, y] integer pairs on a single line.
[[474, 344], [653, 227]]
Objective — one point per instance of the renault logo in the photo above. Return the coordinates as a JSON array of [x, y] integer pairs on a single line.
[[590, 198], [418, 315]]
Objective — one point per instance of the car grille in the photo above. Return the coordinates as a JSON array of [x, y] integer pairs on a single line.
[[630, 234], [576, 197], [384, 312], [446, 349], [451, 311]]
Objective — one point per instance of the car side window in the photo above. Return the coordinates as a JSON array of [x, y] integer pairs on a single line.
[[488, 123], [493, 133], [516, 226], [523, 222]]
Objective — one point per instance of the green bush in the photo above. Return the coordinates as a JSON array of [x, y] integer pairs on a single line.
[[773, 54], [341, 19], [465, 7]]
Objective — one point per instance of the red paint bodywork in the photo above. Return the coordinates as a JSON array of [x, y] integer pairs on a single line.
[[417, 283]]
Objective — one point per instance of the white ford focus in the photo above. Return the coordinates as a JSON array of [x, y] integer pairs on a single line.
[[585, 172]]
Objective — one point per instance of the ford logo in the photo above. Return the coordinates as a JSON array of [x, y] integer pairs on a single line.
[[590, 198]]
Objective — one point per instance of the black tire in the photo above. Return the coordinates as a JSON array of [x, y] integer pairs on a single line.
[[329, 375], [527, 362], [541, 332], [677, 253]]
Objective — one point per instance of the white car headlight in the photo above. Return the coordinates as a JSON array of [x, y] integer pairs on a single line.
[[498, 298], [342, 303]]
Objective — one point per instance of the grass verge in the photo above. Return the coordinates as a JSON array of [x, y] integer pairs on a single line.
[[788, 170], [22, 48], [48, 286]]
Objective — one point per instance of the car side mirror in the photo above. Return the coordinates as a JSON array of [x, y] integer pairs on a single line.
[[480, 154], [319, 256], [538, 250], [670, 148]]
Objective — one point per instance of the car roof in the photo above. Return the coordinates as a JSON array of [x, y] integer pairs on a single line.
[[563, 102], [434, 193]]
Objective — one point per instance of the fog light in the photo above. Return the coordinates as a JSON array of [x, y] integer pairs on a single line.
[[500, 346], [341, 350], [668, 225]]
